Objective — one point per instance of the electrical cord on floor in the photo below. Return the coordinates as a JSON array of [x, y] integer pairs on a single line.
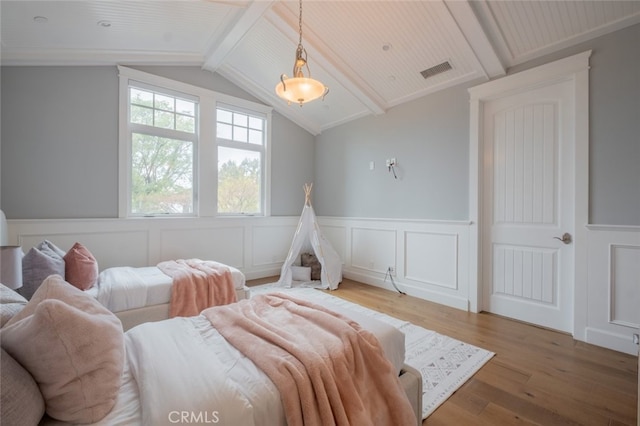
[[392, 282]]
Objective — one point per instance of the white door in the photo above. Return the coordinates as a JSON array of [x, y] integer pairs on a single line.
[[528, 205]]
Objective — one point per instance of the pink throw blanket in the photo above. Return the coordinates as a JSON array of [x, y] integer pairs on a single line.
[[197, 285], [328, 370]]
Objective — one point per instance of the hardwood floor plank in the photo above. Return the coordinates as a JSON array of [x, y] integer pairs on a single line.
[[468, 401], [565, 404], [517, 408], [497, 415], [538, 376]]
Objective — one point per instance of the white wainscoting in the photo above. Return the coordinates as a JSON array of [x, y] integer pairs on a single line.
[[256, 246], [613, 271], [430, 259]]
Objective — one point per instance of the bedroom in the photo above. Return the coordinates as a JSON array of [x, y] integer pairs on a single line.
[[76, 182]]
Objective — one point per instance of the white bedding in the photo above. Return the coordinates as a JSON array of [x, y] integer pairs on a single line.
[[124, 288], [183, 366]]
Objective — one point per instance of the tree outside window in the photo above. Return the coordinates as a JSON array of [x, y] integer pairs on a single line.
[[240, 161], [162, 153]]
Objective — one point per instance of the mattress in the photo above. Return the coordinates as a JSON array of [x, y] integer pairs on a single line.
[[124, 288]]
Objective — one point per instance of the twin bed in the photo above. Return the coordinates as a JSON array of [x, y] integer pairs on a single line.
[[203, 376], [142, 294]]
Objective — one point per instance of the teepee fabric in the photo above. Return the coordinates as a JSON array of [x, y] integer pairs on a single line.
[[309, 238]]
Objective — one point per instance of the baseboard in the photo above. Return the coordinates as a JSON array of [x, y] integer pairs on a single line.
[[410, 289], [614, 341], [262, 273]]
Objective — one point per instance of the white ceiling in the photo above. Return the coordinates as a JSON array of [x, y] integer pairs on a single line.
[[368, 52]]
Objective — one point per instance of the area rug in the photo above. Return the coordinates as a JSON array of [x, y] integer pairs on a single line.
[[445, 363]]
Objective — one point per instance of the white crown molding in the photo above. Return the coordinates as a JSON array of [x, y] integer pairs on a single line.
[[87, 57]]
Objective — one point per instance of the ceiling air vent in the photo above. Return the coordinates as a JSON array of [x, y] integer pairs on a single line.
[[437, 69]]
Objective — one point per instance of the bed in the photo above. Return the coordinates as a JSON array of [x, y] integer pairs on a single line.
[[188, 358], [142, 294], [135, 294]]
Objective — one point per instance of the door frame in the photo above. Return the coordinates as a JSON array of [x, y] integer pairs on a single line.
[[575, 69]]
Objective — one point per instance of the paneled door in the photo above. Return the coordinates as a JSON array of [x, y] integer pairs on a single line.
[[528, 205]]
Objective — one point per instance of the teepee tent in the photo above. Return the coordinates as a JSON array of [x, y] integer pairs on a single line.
[[309, 238]]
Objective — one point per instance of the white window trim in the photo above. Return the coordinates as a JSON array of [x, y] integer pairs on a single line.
[[206, 201]]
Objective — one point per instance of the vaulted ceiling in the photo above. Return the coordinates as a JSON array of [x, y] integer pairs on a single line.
[[370, 53]]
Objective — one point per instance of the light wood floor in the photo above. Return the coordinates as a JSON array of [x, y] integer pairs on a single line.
[[538, 376]]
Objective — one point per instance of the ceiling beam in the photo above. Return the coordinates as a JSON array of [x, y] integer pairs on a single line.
[[476, 38], [239, 29]]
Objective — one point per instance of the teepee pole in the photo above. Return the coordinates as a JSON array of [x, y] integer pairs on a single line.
[[307, 193]]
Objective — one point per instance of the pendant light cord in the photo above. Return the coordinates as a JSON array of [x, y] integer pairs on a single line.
[[300, 25]]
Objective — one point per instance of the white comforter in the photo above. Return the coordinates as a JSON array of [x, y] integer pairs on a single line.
[[183, 369]]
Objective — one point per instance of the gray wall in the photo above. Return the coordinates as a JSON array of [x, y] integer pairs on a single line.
[[430, 138], [59, 147], [59, 142], [614, 126]]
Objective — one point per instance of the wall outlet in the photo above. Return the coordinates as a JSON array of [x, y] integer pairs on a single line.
[[636, 339], [392, 270]]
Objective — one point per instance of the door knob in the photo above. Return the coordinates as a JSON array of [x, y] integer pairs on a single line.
[[566, 238]]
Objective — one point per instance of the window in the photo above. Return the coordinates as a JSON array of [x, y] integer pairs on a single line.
[[163, 140], [241, 143], [189, 151]]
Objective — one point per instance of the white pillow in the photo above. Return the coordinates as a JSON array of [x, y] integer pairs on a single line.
[[301, 273]]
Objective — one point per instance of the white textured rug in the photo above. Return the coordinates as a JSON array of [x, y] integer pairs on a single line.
[[445, 363]]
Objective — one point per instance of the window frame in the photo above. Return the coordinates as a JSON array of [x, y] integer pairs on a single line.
[[205, 151]]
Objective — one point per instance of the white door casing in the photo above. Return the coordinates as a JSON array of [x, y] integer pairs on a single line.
[[528, 194], [529, 171]]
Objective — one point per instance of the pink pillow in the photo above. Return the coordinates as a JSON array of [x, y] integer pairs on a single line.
[[74, 349], [81, 268]]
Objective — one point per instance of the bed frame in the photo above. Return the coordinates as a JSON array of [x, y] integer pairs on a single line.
[[411, 381], [132, 317]]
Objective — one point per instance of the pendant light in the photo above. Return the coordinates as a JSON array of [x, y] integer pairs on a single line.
[[299, 88]]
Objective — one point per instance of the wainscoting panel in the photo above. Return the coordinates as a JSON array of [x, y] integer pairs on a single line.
[[271, 244], [337, 236], [373, 250], [432, 258], [613, 287], [224, 245], [123, 248], [624, 290]]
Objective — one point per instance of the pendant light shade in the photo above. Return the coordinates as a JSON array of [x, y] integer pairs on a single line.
[[298, 88]]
